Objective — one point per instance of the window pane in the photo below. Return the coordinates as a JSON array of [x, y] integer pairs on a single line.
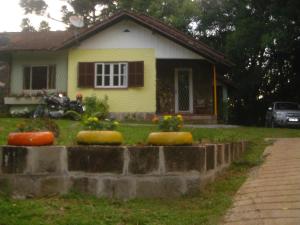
[[123, 68], [122, 80], [99, 69], [52, 77], [99, 81], [106, 80], [116, 81], [107, 69], [26, 78], [39, 78], [116, 69]]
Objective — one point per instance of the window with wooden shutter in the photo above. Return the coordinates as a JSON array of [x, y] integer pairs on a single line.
[[136, 74], [86, 75]]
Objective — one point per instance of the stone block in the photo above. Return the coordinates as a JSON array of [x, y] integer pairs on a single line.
[[227, 153], [25, 186], [105, 187], [173, 186], [232, 152], [210, 157], [47, 159], [86, 185], [240, 149], [14, 159], [5, 186], [193, 184], [235, 152], [53, 186], [160, 187], [143, 160], [149, 187], [96, 159], [184, 158], [220, 154], [124, 188]]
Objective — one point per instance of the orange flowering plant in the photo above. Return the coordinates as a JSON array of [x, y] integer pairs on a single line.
[[169, 123]]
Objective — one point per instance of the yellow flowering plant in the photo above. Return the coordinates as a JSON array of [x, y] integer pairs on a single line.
[[170, 123], [93, 123]]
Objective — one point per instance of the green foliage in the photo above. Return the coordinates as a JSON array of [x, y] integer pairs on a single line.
[[96, 107], [73, 115], [26, 25], [39, 125], [262, 39], [93, 123], [169, 123], [34, 6], [44, 26]]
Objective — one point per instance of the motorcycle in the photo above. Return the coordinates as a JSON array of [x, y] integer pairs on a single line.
[[57, 105]]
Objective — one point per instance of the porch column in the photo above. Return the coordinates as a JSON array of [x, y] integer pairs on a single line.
[[215, 90]]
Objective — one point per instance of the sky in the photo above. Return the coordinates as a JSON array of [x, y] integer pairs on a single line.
[[11, 15]]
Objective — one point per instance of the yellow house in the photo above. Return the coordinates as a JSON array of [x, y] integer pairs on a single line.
[[144, 66]]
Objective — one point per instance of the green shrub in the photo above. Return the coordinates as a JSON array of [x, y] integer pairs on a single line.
[[96, 107], [169, 123], [93, 123], [33, 125]]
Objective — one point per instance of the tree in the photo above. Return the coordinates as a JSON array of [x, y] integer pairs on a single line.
[[263, 39], [179, 13], [34, 6], [44, 26], [26, 25]]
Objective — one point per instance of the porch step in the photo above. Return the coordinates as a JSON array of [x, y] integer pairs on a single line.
[[201, 119]]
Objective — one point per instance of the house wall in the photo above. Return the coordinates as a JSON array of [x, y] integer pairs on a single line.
[[139, 37], [128, 100], [21, 59], [4, 77]]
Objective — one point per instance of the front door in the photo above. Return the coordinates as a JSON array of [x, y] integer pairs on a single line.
[[183, 91]]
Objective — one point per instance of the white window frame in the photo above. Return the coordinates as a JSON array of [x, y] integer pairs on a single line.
[[111, 75], [30, 85]]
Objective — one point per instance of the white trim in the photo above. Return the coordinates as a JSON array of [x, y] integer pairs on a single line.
[[191, 105], [111, 75]]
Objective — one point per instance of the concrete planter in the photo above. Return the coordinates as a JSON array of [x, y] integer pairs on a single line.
[[170, 138], [96, 137], [30, 138], [22, 100]]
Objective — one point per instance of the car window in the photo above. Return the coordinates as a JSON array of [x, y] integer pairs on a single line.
[[287, 106]]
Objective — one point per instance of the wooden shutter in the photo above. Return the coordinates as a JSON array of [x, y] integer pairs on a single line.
[[86, 74], [136, 74]]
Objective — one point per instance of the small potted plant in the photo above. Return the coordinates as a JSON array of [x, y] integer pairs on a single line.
[[34, 132], [99, 132], [170, 132]]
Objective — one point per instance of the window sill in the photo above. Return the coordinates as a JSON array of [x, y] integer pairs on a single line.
[[112, 88]]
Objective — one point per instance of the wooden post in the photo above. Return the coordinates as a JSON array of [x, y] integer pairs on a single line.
[[215, 90]]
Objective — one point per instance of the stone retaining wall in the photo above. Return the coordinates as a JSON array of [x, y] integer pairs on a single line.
[[111, 171]]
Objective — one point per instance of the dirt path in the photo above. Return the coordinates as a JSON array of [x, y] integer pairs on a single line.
[[271, 195]]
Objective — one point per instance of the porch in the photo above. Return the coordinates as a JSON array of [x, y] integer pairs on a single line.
[[191, 88]]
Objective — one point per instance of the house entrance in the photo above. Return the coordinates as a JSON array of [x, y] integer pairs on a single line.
[[183, 91]]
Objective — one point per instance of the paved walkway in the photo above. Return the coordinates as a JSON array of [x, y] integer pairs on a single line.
[[271, 195]]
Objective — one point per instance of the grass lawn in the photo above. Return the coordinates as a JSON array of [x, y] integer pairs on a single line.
[[204, 208]]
